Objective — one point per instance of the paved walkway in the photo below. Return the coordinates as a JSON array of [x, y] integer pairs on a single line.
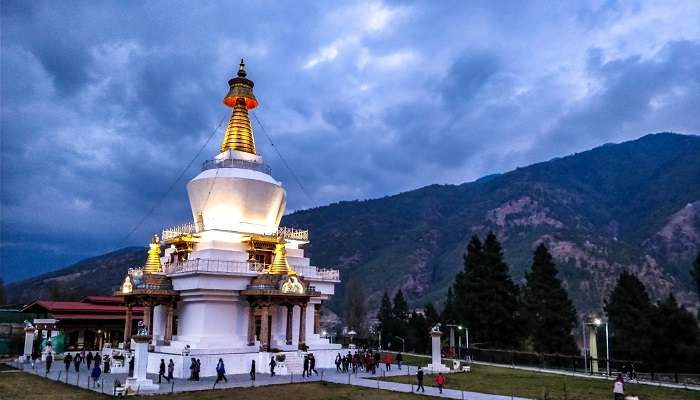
[[362, 379]]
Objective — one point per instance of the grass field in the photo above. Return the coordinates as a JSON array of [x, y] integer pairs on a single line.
[[17, 385], [506, 381]]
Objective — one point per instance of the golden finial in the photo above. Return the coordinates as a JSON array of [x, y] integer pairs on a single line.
[[280, 266], [239, 132], [153, 261]]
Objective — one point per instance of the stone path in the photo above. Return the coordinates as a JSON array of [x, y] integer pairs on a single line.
[[362, 379]]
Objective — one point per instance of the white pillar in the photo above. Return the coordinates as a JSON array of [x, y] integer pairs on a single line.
[[29, 334], [436, 364], [139, 382], [159, 321]]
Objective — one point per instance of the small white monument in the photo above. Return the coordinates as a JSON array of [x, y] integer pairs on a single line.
[[139, 382], [436, 365], [29, 333]]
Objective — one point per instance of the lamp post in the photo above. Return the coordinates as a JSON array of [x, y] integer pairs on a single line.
[[597, 322], [403, 343], [452, 337]]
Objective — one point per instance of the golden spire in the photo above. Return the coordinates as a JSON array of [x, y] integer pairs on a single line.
[[153, 261], [280, 266], [239, 132]]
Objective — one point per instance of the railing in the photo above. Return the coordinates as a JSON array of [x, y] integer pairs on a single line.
[[173, 232], [233, 163], [191, 228], [243, 267]]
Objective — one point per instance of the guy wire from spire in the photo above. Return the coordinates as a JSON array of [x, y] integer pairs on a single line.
[[172, 185], [291, 171]]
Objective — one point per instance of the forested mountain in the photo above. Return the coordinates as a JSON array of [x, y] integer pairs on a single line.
[[631, 206]]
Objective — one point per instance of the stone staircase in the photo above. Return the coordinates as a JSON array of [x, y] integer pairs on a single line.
[[294, 362]]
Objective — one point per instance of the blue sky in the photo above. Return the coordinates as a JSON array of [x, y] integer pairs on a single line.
[[104, 102]]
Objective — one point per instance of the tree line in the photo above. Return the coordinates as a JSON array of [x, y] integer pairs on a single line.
[[539, 316]]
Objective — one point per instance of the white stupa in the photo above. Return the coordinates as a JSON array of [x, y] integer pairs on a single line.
[[233, 284]]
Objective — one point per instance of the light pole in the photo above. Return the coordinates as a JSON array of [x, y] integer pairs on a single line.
[[403, 343], [597, 322]]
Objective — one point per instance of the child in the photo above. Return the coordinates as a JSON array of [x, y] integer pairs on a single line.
[[440, 380]]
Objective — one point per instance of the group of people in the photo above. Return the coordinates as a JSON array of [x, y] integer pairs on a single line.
[[365, 360], [195, 368], [309, 365], [170, 368]]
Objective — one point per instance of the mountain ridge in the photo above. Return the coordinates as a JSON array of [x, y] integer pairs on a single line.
[[601, 211]]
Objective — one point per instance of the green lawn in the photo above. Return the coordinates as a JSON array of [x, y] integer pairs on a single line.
[[18, 385], [507, 381]]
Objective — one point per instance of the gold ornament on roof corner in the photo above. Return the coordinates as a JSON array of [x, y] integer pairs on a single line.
[[153, 265], [240, 97], [279, 265]]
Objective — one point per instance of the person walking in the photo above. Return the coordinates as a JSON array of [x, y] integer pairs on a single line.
[[399, 360], [252, 371], [619, 388], [305, 372], [419, 376], [197, 370], [95, 375], [106, 363], [387, 361], [88, 359], [67, 360], [35, 356], [272, 366], [131, 366], [161, 370], [193, 368], [49, 361], [312, 364], [221, 371], [440, 380], [171, 369], [76, 361], [338, 361]]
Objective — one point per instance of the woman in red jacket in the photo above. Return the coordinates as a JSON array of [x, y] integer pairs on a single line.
[[440, 380]]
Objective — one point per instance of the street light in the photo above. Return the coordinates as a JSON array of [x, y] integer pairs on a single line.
[[466, 337], [597, 322], [403, 343]]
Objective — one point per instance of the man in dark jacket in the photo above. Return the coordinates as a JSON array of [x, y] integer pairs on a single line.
[[399, 359], [88, 358], [312, 364], [49, 361], [306, 372], [76, 361], [67, 360], [161, 370], [419, 375], [272, 366]]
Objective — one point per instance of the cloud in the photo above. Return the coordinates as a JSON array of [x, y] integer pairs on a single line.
[[104, 103]]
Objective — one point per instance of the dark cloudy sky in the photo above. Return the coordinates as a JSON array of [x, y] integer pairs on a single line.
[[105, 102]]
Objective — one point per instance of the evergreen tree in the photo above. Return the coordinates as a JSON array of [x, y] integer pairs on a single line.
[[549, 312], [695, 273], [675, 337], [417, 336], [496, 306], [385, 317], [466, 284], [356, 307], [629, 314], [431, 314], [449, 313], [3, 295], [400, 309]]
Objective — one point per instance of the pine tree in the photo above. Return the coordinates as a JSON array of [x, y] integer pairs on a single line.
[[3, 296], [431, 314], [549, 312], [417, 336], [449, 313], [400, 309], [467, 282], [675, 331], [356, 307], [695, 273], [385, 317], [496, 305], [629, 314]]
